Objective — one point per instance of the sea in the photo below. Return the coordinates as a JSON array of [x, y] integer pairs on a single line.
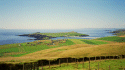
[[10, 36]]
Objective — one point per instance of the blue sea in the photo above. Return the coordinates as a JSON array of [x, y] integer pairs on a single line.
[[10, 36]]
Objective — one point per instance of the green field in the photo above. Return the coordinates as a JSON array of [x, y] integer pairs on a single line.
[[94, 42], [113, 38], [117, 64], [25, 48]]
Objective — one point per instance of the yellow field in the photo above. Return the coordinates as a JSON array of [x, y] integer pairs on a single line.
[[77, 41]]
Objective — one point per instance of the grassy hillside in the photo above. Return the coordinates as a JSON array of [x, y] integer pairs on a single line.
[[17, 50], [113, 38], [77, 51]]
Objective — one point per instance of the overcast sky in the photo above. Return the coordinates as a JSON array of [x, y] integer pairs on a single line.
[[62, 14]]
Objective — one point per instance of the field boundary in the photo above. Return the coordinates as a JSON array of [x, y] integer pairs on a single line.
[[59, 61]]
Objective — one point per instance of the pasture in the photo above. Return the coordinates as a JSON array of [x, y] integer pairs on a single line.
[[94, 42], [116, 64]]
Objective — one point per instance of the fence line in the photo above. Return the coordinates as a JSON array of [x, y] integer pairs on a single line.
[[36, 65]]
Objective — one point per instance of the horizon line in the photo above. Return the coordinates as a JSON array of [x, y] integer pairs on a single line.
[[74, 28]]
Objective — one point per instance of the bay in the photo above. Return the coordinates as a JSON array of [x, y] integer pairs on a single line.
[[10, 36]]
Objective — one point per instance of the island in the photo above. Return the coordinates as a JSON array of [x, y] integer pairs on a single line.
[[46, 36]]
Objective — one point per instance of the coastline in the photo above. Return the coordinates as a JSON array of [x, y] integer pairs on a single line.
[[119, 32], [11, 36]]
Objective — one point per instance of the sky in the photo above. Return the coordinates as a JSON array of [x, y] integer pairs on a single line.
[[62, 14]]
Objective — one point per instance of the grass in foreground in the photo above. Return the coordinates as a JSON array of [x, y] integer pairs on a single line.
[[103, 65]]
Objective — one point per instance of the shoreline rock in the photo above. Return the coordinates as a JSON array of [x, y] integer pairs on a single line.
[[37, 36], [117, 31]]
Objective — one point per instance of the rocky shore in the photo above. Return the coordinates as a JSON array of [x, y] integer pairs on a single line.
[[37, 36], [120, 31]]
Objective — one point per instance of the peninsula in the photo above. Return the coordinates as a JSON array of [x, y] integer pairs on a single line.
[[119, 32], [46, 36]]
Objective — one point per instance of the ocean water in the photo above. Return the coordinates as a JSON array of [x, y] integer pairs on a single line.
[[9, 36]]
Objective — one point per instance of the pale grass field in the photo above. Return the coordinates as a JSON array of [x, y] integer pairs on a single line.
[[77, 41]]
